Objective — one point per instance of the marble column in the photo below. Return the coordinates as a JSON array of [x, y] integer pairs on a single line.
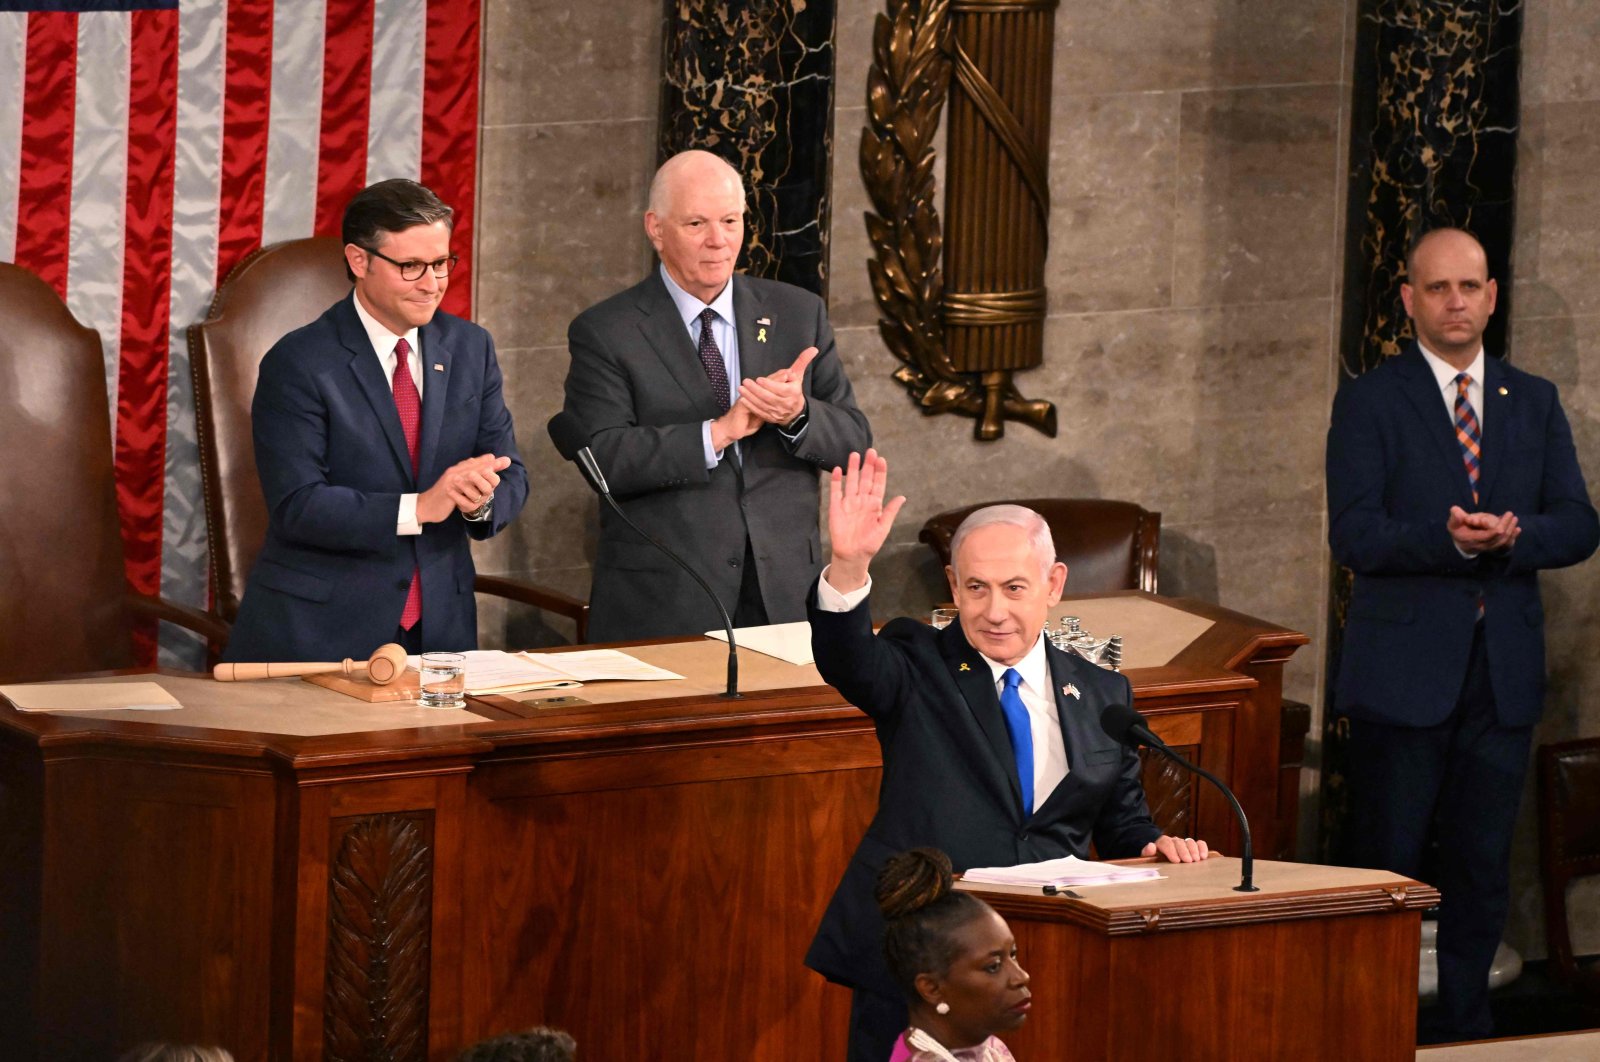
[[753, 83]]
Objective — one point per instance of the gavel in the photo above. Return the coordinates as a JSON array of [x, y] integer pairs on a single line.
[[382, 667]]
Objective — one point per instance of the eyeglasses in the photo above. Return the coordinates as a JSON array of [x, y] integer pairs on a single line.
[[412, 269]]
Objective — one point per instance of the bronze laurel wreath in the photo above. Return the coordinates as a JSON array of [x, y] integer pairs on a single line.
[[907, 88]]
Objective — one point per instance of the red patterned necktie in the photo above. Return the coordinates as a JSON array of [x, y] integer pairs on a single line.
[[711, 358], [409, 405], [1467, 433]]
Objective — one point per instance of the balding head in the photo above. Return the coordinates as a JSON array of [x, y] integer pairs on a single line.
[[1449, 295], [692, 168], [696, 221]]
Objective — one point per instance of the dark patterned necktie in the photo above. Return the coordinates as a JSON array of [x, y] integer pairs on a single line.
[[711, 358], [409, 405], [1467, 432]]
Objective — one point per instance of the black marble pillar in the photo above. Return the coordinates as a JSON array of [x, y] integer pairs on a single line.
[[752, 81], [1434, 119]]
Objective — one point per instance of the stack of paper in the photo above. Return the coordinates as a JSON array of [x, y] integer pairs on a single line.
[[790, 642], [494, 671], [1067, 872], [90, 697]]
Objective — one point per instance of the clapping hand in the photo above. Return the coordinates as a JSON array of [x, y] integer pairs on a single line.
[[779, 398], [858, 519]]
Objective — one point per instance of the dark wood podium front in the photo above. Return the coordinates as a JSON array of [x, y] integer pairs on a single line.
[[1320, 963], [295, 874]]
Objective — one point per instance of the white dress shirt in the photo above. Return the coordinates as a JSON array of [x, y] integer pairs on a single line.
[[726, 336], [1044, 723], [383, 344], [1446, 374]]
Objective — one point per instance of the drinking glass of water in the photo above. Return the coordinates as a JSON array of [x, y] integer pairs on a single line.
[[943, 617], [444, 680]]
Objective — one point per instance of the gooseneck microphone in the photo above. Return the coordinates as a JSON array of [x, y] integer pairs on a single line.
[[572, 442], [1128, 727]]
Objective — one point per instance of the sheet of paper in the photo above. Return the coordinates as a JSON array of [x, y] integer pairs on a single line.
[[90, 697], [600, 665], [790, 642], [1068, 870], [494, 671]]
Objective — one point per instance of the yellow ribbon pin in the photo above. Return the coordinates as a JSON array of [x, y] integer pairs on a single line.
[[761, 335], [964, 667]]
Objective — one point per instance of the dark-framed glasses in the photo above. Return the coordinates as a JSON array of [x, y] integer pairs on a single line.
[[411, 269]]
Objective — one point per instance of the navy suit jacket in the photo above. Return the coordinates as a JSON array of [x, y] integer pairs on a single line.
[[950, 776], [637, 383], [332, 576], [1394, 469]]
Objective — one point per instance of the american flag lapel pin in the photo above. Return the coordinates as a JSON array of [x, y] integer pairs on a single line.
[[438, 367], [762, 324], [1071, 691]]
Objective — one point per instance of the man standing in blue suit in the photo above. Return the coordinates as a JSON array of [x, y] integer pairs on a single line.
[[1452, 481], [384, 446]]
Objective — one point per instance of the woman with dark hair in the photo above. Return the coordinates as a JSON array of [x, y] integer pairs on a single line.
[[955, 960]]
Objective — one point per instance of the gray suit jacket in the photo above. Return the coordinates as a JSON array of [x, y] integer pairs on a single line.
[[637, 384]]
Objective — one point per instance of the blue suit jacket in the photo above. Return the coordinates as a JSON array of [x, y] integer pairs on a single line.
[[950, 776], [331, 578], [1394, 470]]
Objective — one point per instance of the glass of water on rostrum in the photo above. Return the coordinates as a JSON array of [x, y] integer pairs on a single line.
[[444, 680]]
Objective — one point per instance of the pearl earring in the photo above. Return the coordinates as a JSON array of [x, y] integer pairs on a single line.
[[943, 1008]]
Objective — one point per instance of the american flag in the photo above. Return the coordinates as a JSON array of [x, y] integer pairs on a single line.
[[146, 148]]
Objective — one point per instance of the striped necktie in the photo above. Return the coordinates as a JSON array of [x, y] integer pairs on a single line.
[[1467, 434]]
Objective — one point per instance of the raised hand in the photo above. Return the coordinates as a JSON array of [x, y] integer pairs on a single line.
[[858, 519], [779, 398]]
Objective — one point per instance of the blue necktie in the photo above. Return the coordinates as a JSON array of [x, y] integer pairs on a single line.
[[1021, 735]]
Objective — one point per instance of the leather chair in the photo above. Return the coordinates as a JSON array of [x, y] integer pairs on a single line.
[[271, 293], [1569, 849], [1106, 545], [65, 605]]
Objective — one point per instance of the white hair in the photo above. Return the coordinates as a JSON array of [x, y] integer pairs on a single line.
[[664, 183], [1038, 530]]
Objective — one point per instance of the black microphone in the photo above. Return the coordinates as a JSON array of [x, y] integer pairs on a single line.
[[1128, 727], [572, 442]]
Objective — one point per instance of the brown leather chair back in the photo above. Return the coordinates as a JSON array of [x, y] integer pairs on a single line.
[[62, 585], [271, 293], [1569, 847], [1106, 545]]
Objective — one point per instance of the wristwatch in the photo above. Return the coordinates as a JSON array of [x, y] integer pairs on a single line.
[[481, 512]]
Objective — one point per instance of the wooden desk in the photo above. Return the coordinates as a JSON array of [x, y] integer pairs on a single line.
[[1320, 963], [298, 877]]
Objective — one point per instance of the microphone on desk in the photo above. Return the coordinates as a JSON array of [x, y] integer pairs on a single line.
[[572, 442], [1128, 727]]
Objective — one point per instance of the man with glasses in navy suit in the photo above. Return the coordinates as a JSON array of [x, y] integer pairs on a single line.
[[384, 447]]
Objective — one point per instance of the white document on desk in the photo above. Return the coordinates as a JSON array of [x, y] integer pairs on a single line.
[[601, 665], [789, 642], [89, 697], [1066, 871], [496, 671]]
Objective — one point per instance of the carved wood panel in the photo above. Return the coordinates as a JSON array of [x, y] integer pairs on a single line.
[[380, 910], [1170, 789]]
